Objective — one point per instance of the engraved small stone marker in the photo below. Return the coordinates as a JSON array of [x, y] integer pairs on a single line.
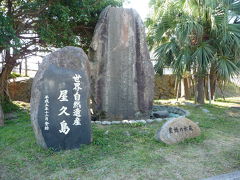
[[177, 130]]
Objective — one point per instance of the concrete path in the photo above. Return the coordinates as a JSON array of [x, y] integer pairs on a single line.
[[229, 176]]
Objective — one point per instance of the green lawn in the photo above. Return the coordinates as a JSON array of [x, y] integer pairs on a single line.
[[127, 151]]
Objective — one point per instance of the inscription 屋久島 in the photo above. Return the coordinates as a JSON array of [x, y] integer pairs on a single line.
[[60, 101]]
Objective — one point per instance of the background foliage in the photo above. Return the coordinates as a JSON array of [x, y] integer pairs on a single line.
[[196, 36]]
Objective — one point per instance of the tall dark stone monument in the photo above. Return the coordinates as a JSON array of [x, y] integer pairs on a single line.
[[122, 73], [60, 100]]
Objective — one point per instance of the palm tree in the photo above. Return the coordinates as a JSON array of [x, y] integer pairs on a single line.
[[196, 36]]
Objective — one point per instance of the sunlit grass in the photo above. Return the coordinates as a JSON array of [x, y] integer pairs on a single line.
[[127, 151]]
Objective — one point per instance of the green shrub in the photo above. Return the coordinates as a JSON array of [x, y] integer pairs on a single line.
[[14, 75], [8, 106]]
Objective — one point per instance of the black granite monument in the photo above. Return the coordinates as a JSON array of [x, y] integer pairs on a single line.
[[60, 100]]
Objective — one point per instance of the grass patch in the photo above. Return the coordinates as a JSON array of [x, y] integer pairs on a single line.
[[126, 151], [8, 107], [14, 75]]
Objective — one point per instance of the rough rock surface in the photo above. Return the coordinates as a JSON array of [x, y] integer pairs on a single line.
[[1, 116], [177, 130], [122, 73], [55, 74], [161, 114], [20, 89], [170, 109], [164, 87]]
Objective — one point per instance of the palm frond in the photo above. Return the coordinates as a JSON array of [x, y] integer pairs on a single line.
[[203, 56], [183, 62], [165, 48], [202, 31], [165, 54], [226, 68], [238, 64], [188, 30], [235, 7], [229, 40]]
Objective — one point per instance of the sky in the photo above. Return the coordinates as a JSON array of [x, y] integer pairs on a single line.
[[140, 5]]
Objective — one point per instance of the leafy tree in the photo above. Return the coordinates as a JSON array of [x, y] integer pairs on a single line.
[[196, 36], [31, 26]]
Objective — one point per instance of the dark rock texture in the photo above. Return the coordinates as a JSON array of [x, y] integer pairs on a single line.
[[122, 73], [53, 114], [171, 110], [161, 114]]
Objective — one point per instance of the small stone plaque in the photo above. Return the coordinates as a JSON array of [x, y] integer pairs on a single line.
[[177, 130], [60, 109]]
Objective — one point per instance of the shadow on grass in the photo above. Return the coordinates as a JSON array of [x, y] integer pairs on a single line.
[[235, 100], [115, 146], [8, 107], [19, 149]]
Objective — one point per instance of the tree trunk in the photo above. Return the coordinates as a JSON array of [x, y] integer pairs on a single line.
[[193, 88], [6, 71], [10, 63], [213, 82], [182, 88], [26, 68], [220, 87], [178, 88], [209, 90], [200, 89], [187, 88], [1, 116]]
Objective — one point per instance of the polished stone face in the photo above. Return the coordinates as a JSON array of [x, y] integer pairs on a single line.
[[63, 115]]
